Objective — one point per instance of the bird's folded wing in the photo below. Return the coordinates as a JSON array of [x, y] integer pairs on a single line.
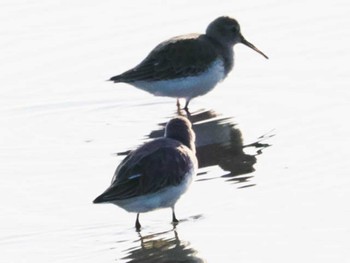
[[171, 59], [163, 167]]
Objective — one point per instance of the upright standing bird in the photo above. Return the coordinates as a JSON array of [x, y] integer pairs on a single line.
[[190, 65], [156, 174]]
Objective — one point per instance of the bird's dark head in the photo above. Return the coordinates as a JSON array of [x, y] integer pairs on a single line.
[[227, 31], [224, 29], [180, 129]]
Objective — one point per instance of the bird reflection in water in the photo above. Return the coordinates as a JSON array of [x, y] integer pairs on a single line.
[[162, 247], [219, 142]]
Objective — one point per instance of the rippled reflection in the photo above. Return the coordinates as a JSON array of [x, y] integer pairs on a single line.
[[162, 247], [219, 142]]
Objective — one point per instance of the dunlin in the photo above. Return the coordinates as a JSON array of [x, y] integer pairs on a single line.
[[190, 65], [156, 174]]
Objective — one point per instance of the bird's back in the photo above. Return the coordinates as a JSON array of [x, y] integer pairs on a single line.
[[177, 57], [154, 166]]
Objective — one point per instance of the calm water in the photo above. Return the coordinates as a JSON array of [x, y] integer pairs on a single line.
[[272, 139]]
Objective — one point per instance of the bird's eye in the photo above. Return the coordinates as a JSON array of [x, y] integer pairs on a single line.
[[234, 30]]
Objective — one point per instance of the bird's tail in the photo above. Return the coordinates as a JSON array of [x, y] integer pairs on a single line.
[[99, 199], [116, 79]]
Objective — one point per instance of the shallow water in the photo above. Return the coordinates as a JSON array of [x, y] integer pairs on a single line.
[[272, 139]]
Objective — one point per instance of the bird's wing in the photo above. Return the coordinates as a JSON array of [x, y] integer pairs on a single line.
[[177, 57], [141, 173]]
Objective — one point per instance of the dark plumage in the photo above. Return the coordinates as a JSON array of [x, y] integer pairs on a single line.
[[176, 58]]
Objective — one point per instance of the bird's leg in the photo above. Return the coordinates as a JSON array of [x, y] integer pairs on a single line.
[[178, 103], [137, 223], [186, 105], [174, 217], [178, 106]]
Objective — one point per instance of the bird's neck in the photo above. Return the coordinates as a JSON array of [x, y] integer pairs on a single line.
[[226, 52], [228, 59], [185, 138]]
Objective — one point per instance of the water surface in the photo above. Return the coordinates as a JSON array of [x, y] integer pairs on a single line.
[[272, 139]]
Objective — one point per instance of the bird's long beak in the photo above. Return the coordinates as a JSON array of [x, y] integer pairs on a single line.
[[245, 42]]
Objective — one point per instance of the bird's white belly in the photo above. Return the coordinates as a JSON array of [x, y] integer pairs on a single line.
[[164, 198], [187, 87]]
